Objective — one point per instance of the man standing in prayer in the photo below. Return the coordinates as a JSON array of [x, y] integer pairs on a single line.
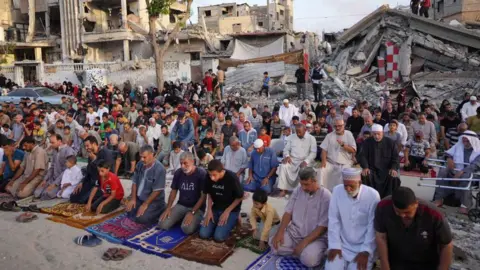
[[351, 236], [235, 158], [412, 233], [147, 200], [380, 161], [300, 152], [262, 167], [303, 229], [287, 111], [337, 151], [466, 150]]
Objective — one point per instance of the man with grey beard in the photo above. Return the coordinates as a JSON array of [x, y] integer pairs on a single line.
[[380, 162]]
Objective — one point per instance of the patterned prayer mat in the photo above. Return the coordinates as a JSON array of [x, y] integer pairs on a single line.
[[118, 229], [269, 261], [6, 197], [208, 251], [40, 203], [65, 209], [251, 244], [83, 220], [156, 241], [414, 173]]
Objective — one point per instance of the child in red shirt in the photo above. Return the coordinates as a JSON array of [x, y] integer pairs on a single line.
[[108, 193], [264, 137]]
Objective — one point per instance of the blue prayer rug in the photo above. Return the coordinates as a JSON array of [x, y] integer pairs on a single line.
[[118, 229], [156, 241], [268, 261]]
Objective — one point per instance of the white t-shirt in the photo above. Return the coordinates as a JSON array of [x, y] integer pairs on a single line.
[[91, 118], [100, 112]]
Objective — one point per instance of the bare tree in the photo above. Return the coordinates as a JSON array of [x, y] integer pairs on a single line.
[[31, 21], [155, 9]]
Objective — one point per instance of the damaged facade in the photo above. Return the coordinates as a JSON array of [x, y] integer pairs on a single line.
[[390, 49]]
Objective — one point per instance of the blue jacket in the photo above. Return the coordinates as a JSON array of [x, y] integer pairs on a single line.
[[262, 164], [247, 139], [183, 133]]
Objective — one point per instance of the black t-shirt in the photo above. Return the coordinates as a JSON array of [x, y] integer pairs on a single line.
[[190, 187], [225, 191], [209, 143], [355, 124], [416, 247], [448, 124]]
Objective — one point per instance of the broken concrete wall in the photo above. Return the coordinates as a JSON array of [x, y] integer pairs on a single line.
[[252, 72]]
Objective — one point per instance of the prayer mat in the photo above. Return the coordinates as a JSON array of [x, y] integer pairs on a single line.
[[414, 173], [155, 241], [118, 229], [202, 251], [6, 197], [270, 261], [65, 209], [208, 251], [251, 244], [40, 203], [83, 220]]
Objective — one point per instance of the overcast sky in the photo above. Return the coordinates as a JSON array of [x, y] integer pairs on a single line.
[[318, 15]]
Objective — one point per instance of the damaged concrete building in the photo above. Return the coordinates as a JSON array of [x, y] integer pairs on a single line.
[[389, 49]]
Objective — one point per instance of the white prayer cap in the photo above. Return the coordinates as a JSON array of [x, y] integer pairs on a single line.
[[258, 143], [473, 98], [377, 128], [285, 101], [352, 174]]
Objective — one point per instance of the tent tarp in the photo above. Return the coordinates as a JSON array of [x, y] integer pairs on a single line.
[[293, 58], [244, 51]]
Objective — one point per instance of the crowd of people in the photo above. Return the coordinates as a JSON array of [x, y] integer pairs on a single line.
[[337, 163]]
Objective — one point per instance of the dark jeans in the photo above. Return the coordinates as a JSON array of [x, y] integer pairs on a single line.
[[109, 207], [424, 11], [264, 88], [301, 91], [317, 92], [414, 163], [82, 196], [219, 233], [414, 9]]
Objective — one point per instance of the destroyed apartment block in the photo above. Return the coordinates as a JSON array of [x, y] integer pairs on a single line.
[[389, 48]]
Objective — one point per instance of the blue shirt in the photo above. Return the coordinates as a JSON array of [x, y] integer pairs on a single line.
[[149, 180], [17, 130], [8, 173], [262, 164], [247, 138], [183, 133], [266, 81]]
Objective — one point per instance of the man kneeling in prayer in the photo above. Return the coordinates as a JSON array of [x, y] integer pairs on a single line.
[[466, 150], [303, 229], [351, 235], [107, 194]]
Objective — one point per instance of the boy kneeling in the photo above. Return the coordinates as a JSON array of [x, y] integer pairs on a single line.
[[108, 193], [264, 218]]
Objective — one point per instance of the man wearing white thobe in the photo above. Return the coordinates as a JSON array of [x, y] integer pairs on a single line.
[[338, 147], [351, 234], [287, 111], [300, 151]]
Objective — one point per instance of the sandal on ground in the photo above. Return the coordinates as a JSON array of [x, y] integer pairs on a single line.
[[108, 255], [10, 206], [87, 240], [26, 217], [121, 254], [34, 208]]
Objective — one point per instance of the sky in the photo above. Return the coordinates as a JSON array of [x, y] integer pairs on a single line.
[[318, 15]]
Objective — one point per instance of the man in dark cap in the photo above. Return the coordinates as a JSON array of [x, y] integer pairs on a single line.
[[412, 233]]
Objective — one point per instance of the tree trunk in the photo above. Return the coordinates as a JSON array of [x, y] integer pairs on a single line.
[[157, 52], [31, 21]]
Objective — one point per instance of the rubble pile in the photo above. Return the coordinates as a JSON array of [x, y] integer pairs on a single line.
[[466, 237]]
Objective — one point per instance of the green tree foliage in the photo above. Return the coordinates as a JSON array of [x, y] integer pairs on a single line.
[[157, 7]]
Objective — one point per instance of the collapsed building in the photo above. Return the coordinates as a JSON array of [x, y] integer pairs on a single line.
[[390, 49]]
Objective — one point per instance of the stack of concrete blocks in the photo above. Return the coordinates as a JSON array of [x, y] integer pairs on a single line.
[[97, 77]]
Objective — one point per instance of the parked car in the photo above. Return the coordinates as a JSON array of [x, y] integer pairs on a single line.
[[34, 93]]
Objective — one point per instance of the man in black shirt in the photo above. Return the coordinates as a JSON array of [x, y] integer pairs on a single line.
[[355, 123], [95, 154], [300, 74], [411, 234], [224, 201], [450, 121]]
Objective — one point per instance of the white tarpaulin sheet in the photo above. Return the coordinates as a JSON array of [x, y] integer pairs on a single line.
[[244, 51]]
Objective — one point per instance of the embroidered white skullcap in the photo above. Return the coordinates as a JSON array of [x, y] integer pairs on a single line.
[[352, 174], [285, 101], [377, 128], [258, 143]]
